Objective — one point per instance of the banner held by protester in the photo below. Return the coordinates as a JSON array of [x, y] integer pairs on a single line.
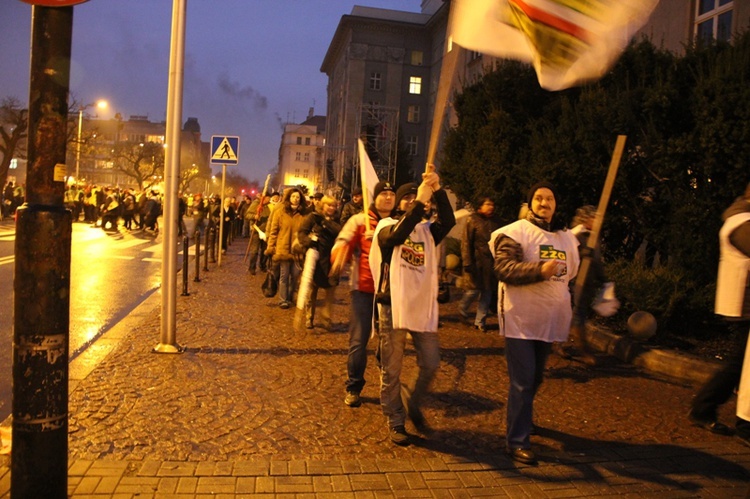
[[567, 41]]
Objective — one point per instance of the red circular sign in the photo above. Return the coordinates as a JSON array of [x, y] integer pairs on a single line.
[[54, 3]]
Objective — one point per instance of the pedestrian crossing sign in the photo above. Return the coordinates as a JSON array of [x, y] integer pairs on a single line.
[[225, 150]]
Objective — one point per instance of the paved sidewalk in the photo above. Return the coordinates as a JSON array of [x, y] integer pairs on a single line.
[[253, 407]]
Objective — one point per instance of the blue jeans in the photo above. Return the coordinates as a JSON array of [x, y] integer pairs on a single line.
[[287, 280], [526, 360], [360, 327], [392, 346], [483, 307]]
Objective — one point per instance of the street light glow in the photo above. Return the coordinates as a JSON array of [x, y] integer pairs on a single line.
[[101, 104]]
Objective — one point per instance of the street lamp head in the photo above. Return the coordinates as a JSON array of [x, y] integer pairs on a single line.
[[102, 104]]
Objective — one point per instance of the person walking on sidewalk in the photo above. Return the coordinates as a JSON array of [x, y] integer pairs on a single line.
[[733, 304], [318, 230], [284, 226], [534, 263], [478, 262], [355, 240], [404, 263]]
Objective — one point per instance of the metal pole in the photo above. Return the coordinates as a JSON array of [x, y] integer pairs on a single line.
[[39, 462], [78, 145], [205, 252], [221, 210], [185, 255], [168, 342]]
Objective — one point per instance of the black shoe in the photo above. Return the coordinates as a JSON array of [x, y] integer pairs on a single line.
[[352, 399], [399, 436], [525, 456], [710, 424], [415, 413]]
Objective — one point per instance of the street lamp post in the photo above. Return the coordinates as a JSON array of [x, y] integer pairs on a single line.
[[102, 104]]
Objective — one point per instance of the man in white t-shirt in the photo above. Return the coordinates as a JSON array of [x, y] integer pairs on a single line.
[[404, 264]]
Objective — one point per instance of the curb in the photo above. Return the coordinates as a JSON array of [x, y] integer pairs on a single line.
[[666, 362]]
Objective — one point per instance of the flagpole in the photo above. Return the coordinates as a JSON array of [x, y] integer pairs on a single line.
[[447, 73], [593, 239]]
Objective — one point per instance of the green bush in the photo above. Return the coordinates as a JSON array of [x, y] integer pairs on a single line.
[[679, 304]]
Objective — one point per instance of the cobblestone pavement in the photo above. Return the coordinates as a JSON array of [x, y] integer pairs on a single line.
[[254, 407]]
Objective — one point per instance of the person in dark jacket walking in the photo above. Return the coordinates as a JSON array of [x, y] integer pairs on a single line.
[[319, 230], [404, 263], [478, 262]]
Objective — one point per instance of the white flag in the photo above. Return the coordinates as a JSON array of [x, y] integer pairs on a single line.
[[567, 41], [367, 175]]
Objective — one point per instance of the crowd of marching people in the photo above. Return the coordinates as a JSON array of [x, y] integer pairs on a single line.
[[393, 254]]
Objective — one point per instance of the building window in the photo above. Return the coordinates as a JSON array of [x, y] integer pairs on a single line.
[[416, 57], [412, 145], [307, 141], [375, 81], [307, 157], [305, 173], [296, 172], [714, 20], [297, 156], [299, 140], [412, 114], [415, 85]]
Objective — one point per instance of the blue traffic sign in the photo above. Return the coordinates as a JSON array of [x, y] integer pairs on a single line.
[[225, 150]]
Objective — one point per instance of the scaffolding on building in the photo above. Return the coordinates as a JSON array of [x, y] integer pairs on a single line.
[[378, 129]]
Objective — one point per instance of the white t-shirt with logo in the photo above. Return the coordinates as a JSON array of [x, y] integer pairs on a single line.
[[413, 278], [542, 310]]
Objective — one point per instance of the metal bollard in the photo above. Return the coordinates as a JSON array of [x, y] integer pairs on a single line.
[[205, 252], [185, 255], [197, 257], [214, 235]]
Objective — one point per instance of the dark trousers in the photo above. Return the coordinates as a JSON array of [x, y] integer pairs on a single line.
[[717, 390], [360, 326], [526, 360], [257, 248]]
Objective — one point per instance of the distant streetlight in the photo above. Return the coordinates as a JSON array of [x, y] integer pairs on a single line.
[[101, 104]]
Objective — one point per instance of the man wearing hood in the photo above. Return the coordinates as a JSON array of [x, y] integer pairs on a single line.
[[404, 262]]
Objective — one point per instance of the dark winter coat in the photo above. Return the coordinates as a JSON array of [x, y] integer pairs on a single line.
[[475, 251], [320, 233]]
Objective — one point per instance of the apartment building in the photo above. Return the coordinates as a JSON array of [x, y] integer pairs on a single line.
[[383, 68], [302, 153]]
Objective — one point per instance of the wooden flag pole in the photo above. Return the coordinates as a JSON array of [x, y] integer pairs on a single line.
[[593, 240], [447, 72]]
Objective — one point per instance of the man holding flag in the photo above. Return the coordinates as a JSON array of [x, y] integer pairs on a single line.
[[354, 242]]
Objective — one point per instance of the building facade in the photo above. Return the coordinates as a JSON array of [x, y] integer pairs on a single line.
[[302, 153], [110, 146], [380, 75], [385, 63]]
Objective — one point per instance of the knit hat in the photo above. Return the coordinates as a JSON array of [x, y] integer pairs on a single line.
[[405, 190], [357, 192], [380, 187], [541, 185]]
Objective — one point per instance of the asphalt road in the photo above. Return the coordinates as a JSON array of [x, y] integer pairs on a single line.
[[110, 275]]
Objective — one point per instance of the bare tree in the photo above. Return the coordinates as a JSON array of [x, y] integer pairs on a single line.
[[14, 121], [143, 162]]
